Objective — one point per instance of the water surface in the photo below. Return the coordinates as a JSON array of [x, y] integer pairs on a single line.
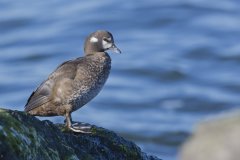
[[180, 62]]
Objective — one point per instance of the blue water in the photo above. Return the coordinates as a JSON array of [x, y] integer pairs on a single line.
[[180, 62]]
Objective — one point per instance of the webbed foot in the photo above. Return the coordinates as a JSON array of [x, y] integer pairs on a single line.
[[80, 128], [76, 126]]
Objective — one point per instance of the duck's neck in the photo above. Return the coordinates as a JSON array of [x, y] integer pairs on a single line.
[[97, 54]]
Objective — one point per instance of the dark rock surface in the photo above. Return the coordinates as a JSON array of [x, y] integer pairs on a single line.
[[25, 137]]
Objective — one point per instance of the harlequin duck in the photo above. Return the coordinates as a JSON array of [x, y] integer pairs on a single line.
[[75, 82]]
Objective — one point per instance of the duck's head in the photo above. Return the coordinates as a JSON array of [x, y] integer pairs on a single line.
[[100, 41]]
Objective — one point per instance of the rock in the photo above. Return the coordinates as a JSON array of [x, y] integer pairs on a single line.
[[24, 137], [217, 139]]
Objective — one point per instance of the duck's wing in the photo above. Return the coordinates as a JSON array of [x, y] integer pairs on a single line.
[[65, 73]]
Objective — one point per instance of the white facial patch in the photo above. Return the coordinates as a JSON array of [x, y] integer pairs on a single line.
[[93, 39], [106, 45]]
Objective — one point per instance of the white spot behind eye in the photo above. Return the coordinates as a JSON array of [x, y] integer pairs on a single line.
[[93, 39]]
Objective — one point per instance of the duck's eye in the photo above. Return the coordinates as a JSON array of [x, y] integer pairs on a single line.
[[108, 40], [106, 43]]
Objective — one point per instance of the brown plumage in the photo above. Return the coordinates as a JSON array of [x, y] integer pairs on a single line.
[[75, 82]]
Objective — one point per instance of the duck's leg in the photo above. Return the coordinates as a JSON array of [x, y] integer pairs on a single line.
[[75, 127]]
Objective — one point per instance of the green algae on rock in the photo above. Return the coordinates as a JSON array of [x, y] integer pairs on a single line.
[[24, 137]]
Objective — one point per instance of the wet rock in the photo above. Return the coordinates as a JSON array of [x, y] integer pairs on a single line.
[[25, 137], [217, 139]]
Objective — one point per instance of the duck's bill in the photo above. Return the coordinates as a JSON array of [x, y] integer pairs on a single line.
[[115, 49]]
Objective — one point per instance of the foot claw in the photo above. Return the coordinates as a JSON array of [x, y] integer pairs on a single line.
[[80, 128]]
